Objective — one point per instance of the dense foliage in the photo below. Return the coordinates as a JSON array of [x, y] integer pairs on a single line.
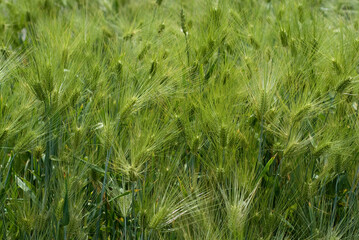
[[163, 119]]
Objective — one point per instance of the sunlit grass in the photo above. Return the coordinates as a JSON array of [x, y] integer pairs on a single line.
[[183, 119]]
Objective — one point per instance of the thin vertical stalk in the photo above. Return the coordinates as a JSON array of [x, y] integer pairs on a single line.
[[352, 195], [261, 142], [133, 207], [125, 227], [9, 171], [3, 221], [335, 202], [102, 194], [187, 49]]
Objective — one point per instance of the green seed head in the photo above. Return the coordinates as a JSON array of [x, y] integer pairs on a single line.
[[59, 209], [153, 68], [133, 173], [283, 37], [253, 42], [302, 113], [49, 79], [119, 67], [179, 123], [343, 85], [263, 103], [144, 51], [338, 166], [293, 48], [223, 136], [39, 91], [158, 218], [301, 13], [38, 151], [26, 223], [3, 135], [320, 150], [161, 28], [128, 109], [65, 55], [195, 144], [236, 217], [336, 66], [74, 97], [183, 23]]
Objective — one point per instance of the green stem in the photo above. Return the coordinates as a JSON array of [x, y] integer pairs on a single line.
[[3, 221], [9, 171], [102, 194], [125, 227], [133, 208], [187, 49], [261, 142], [335, 202]]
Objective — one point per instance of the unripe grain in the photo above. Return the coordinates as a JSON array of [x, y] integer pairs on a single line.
[[283, 38], [338, 164], [263, 103], [65, 55], [153, 68], [144, 51], [3, 135], [253, 42], [38, 151], [128, 107], [161, 28], [119, 68], [183, 23], [336, 66], [223, 136], [293, 48], [39, 91], [301, 113], [195, 144], [343, 85], [158, 218], [321, 150], [301, 13], [59, 209]]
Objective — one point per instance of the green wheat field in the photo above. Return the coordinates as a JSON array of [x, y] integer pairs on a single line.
[[179, 119]]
